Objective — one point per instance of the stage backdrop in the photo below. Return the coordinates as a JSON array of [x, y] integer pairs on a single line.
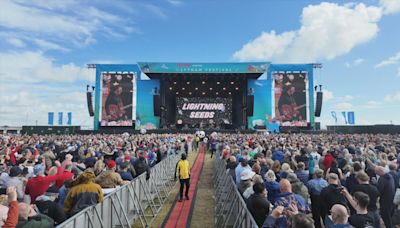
[[117, 98], [261, 89], [290, 97], [205, 110]]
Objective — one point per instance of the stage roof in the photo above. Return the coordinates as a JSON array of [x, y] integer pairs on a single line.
[[151, 68]]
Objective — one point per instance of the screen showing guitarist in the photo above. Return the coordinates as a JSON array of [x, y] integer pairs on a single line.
[[288, 108], [115, 108], [117, 99]]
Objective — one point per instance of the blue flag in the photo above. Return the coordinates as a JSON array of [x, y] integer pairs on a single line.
[[60, 118], [350, 117], [69, 120], [50, 119], [345, 117], [333, 113]]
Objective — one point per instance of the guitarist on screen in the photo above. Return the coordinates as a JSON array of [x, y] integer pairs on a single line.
[[287, 106], [114, 106]]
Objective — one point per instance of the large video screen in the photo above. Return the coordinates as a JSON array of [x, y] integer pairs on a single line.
[[117, 96], [291, 99], [204, 111]]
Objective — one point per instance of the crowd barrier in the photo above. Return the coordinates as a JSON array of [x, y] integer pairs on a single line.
[[230, 208], [140, 200]]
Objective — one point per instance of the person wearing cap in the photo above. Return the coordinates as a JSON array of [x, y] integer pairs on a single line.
[[243, 165], [39, 184], [15, 181], [110, 178], [245, 180], [183, 170]]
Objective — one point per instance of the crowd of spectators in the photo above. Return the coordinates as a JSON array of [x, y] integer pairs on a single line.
[[47, 179], [321, 180]]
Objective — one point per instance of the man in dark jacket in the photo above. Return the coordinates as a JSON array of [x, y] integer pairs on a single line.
[[141, 166], [331, 195], [258, 204], [386, 188]]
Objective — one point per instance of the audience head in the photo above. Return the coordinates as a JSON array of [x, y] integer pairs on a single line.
[[339, 214], [285, 186], [333, 178]]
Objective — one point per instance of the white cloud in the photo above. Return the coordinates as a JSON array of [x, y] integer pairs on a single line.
[[391, 60], [155, 10], [390, 6], [42, 87], [372, 104], [356, 62], [343, 106], [393, 98], [328, 95], [71, 22], [175, 2], [46, 45], [327, 30], [35, 67], [16, 42]]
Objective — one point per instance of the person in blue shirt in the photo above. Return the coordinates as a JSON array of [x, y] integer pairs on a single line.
[[124, 172], [239, 169], [272, 186], [314, 188]]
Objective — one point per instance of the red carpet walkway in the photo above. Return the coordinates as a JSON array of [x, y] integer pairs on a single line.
[[179, 216]]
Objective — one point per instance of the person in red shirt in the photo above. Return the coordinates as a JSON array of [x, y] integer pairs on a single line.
[[39, 184], [66, 175], [328, 159]]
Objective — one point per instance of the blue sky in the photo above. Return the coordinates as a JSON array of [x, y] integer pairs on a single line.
[[44, 46]]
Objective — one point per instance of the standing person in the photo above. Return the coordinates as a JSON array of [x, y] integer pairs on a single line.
[[386, 188], [373, 193], [84, 193], [141, 166], [331, 195], [362, 218], [183, 168], [315, 187]]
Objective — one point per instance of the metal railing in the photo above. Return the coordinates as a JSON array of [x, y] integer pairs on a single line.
[[230, 208], [141, 199]]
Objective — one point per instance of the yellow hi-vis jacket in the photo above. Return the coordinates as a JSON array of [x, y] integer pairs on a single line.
[[183, 168]]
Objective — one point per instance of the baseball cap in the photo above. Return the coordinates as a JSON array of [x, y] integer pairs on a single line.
[[111, 164]]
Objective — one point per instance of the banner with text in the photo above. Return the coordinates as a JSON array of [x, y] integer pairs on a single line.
[[204, 111]]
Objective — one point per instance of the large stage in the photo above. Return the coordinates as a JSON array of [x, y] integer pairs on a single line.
[[189, 96]]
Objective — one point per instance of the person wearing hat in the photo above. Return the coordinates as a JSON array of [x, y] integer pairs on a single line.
[[110, 178], [183, 170], [245, 180], [15, 181], [243, 165], [141, 166], [39, 184]]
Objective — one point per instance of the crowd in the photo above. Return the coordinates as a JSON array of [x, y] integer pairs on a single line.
[[46, 179], [324, 180]]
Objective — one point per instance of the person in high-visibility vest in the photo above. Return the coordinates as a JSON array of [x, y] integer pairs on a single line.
[[183, 170]]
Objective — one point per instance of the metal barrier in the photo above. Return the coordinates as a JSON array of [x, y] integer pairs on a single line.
[[141, 199], [230, 208]]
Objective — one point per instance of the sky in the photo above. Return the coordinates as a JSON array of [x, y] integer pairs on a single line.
[[45, 46]]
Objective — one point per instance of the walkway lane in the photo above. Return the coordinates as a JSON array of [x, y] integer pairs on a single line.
[[179, 216]]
